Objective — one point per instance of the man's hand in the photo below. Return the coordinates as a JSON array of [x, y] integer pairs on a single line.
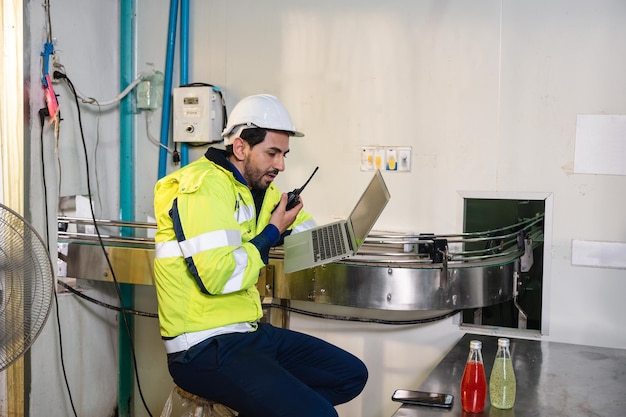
[[283, 219]]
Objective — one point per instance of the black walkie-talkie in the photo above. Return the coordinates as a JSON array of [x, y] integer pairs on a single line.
[[293, 197]]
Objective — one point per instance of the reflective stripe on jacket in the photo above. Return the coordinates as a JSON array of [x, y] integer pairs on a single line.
[[205, 267]]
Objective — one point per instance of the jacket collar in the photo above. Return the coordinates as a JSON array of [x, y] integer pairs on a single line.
[[218, 157]]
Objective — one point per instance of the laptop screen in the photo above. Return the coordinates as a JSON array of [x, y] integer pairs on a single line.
[[369, 208]]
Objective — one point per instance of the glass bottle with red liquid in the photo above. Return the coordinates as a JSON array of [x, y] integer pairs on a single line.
[[474, 382]]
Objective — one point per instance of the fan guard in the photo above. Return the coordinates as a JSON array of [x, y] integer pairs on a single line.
[[26, 285]]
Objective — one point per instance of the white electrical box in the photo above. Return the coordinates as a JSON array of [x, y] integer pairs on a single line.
[[197, 114]]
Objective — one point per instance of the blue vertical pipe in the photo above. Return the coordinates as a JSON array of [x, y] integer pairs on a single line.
[[167, 87], [127, 198], [184, 64]]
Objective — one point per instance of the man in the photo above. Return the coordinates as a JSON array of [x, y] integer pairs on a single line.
[[217, 219]]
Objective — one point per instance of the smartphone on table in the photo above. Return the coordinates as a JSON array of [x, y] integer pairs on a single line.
[[432, 399]]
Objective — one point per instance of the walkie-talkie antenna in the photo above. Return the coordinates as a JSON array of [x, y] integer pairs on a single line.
[[307, 181], [292, 196]]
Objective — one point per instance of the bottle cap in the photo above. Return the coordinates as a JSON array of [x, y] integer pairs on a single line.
[[476, 344], [503, 342]]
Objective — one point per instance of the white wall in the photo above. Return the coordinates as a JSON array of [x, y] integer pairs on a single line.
[[486, 92]]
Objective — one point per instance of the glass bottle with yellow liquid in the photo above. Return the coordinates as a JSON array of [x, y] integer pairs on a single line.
[[502, 384]]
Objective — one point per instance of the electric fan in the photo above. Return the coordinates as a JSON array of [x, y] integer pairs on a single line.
[[26, 286]]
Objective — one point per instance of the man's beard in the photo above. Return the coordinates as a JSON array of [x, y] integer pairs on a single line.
[[254, 177]]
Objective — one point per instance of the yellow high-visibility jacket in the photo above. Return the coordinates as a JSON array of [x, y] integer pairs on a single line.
[[210, 246]]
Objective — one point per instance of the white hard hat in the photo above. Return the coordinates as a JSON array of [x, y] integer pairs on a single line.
[[261, 110]]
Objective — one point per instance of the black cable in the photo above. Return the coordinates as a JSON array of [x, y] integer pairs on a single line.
[[278, 306], [43, 113], [176, 155], [49, 34], [60, 75], [103, 304], [360, 319]]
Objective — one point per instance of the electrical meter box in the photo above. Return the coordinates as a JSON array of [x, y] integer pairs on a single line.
[[197, 114]]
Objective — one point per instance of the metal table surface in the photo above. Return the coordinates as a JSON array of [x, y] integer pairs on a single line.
[[553, 379]]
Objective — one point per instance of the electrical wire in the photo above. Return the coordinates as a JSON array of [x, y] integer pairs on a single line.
[[58, 155], [148, 114], [42, 115], [90, 100], [281, 307], [103, 304], [360, 319], [95, 156], [60, 75], [46, 5], [85, 99]]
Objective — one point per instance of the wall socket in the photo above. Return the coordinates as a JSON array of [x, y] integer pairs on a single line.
[[386, 158]]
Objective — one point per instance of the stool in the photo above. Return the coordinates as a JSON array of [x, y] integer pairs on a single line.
[[196, 406]]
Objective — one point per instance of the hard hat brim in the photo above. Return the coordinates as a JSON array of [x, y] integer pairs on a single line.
[[234, 131]]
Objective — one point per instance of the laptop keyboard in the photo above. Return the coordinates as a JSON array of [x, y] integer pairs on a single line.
[[328, 242]]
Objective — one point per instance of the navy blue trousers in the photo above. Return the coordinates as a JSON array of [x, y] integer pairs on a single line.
[[272, 372]]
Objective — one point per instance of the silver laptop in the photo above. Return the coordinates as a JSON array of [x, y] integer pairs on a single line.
[[341, 239]]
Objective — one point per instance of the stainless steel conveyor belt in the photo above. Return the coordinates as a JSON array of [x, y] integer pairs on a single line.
[[393, 272]]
